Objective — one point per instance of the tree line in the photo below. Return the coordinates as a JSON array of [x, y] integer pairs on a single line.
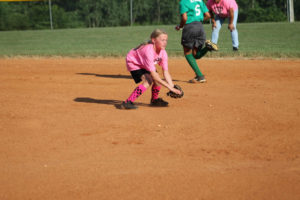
[[106, 13]]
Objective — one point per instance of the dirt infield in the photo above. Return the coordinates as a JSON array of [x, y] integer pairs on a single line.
[[235, 137]]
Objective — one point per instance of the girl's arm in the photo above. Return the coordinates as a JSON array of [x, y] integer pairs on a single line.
[[182, 22], [157, 79], [213, 21], [206, 16], [168, 77], [231, 16]]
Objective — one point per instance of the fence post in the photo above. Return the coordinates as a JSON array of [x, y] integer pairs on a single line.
[[131, 13], [291, 16], [50, 14]]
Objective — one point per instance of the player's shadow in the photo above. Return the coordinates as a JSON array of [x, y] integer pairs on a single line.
[[107, 75], [116, 103], [120, 76]]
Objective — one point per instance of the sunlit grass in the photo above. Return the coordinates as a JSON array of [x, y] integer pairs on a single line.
[[256, 40]]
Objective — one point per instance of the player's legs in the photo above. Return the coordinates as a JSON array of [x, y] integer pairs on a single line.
[[188, 53], [145, 78], [216, 30], [200, 52], [155, 91], [155, 101], [234, 33], [192, 62], [193, 37]]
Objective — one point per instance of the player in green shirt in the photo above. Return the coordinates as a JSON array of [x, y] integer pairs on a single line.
[[193, 13]]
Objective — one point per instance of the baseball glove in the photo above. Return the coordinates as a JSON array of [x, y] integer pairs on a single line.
[[173, 94]]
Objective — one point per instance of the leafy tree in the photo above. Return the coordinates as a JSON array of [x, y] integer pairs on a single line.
[[297, 9], [169, 12], [14, 17], [261, 10], [101, 13], [3, 15]]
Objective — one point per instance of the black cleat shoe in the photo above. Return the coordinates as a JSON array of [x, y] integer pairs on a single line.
[[158, 102], [235, 48], [211, 46], [198, 79], [128, 105]]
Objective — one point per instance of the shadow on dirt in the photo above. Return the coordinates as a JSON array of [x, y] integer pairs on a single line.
[[116, 103], [119, 76], [107, 75]]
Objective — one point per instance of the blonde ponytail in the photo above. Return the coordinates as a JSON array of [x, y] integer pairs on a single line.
[[156, 33]]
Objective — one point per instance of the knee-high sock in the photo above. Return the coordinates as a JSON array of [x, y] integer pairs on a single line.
[[191, 60], [136, 93], [201, 53], [155, 91]]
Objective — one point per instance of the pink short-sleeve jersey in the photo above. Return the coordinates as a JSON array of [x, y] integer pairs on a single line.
[[222, 8], [146, 58]]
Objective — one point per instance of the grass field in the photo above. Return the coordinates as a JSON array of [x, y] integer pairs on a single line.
[[276, 40]]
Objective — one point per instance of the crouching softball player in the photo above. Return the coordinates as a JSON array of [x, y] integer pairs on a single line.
[[141, 63]]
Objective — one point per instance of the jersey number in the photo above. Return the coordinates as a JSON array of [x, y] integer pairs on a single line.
[[197, 9]]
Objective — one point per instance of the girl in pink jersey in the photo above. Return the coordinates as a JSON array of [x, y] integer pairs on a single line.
[[141, 63], [220, 10]]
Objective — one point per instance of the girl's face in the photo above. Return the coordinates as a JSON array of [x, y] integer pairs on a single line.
[[160, 42]]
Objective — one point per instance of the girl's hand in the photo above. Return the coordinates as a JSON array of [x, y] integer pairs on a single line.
[[231, 27], [177, 28], [175, 90], [214, 25]]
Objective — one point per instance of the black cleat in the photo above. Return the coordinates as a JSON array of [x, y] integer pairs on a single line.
[[211, 46], [198, 79], [128, 105], [158, 102], [235, 48]]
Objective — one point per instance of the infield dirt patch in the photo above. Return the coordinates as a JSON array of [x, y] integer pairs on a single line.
[[234, 137]]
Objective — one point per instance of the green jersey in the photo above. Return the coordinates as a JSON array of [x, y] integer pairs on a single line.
[[194, 9]]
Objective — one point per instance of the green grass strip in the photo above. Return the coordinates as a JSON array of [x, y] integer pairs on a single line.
[[274, 40]]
